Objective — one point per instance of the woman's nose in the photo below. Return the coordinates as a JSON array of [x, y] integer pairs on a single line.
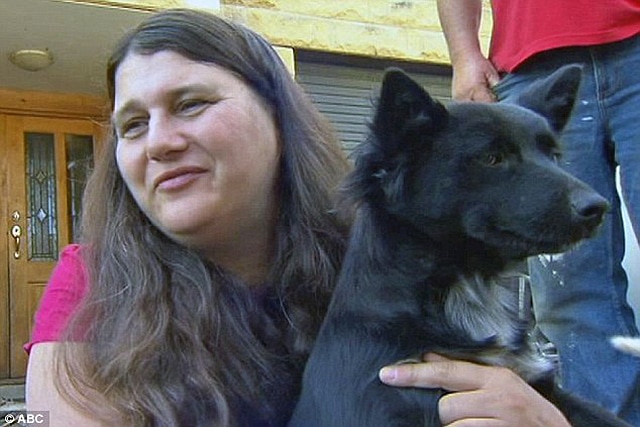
[[164, 138]]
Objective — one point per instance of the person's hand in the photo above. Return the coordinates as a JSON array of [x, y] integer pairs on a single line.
[[482, 396], [473, 80]]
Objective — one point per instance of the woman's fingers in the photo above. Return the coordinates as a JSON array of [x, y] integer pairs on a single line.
[[438, 372], [482, 396]]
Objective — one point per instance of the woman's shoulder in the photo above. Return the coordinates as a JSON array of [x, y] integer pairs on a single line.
[[70, 271], [71, 253]]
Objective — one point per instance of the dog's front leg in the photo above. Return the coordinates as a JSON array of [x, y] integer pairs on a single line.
[[380, 405], [369, 405]]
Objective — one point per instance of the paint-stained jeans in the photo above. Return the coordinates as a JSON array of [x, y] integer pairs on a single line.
[[579, 297]]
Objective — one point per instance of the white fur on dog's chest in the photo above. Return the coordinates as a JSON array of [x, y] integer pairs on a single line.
[[489, 311]]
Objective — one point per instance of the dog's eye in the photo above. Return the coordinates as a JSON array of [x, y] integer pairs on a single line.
[[494, 159]]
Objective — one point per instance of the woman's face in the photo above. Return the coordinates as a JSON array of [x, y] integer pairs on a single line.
[[197, 148]]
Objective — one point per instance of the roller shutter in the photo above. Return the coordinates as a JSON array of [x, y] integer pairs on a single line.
[[345, 93]]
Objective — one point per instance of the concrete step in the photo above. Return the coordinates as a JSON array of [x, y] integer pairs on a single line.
[[12, 402]]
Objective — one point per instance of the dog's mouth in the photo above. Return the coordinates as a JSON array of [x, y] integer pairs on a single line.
[[516, 244]]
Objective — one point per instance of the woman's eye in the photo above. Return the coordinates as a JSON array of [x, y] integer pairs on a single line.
[[191, 106], [132, 128]]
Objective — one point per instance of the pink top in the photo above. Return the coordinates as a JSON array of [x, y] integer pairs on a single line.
[[66, 288], [523, 28]]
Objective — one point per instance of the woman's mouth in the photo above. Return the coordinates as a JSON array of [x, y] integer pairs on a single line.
[[177, 178]]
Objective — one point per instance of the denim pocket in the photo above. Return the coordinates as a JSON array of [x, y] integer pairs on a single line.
[[502, 88]]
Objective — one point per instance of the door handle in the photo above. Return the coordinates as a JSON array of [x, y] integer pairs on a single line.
[[16, 233]]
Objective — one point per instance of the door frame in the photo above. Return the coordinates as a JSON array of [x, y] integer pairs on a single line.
[[5, 343], [35, 104]]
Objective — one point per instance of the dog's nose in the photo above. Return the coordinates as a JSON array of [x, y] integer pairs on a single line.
[[589, 208]]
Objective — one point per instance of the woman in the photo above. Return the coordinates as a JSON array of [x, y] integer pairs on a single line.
[[209, 243]]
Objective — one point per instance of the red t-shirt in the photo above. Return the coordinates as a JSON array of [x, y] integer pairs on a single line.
[[523, 28], [66, 288]]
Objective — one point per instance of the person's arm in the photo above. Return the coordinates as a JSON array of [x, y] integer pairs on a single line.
[[42, 394], [473, 74], [486, 394]]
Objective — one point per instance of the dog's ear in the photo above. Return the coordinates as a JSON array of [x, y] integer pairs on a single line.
[[404, 125], [554, 96], [403, 109]]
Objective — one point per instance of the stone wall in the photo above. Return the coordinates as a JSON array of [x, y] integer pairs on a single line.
[[393, 29]]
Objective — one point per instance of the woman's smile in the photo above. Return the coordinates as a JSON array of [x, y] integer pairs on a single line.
[[178, 178]]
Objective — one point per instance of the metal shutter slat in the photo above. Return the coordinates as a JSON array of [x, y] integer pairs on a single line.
[[345, 94]]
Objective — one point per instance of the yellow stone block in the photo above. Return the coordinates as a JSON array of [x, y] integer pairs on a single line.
[[153, 5], [288, 57], [413, 14], [340, 36], [396, 29]]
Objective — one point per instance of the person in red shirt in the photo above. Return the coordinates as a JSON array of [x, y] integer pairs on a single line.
[[580, 297]]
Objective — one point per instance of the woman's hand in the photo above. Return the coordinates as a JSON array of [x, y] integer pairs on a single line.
[[481, 395]]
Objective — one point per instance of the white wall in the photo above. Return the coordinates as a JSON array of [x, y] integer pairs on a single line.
[[631, 264]]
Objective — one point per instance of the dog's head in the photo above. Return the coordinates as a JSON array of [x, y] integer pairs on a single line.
[[482, 172]]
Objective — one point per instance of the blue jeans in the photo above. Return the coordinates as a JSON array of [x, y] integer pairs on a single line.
[[580, 297]]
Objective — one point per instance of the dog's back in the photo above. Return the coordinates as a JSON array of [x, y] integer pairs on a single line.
[[447, 199]]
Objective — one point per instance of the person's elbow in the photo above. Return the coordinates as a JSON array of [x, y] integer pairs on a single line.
[[42, 394]]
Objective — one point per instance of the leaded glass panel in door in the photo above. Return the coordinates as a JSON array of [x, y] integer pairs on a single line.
[[42, 228], [79, 163]]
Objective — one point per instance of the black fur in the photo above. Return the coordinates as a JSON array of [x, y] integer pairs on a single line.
[[447, 199]]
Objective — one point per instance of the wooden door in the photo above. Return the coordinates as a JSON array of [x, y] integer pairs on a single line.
[[48, 161]]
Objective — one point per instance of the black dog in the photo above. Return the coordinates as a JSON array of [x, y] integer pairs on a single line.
[[447, 199]]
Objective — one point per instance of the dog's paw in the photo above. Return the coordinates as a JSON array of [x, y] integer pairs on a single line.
[[630, 345]]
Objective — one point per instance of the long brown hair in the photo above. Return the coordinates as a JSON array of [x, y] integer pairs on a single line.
[[172, 339]]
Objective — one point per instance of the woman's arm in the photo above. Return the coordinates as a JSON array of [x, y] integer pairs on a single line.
[[481, 395], [41, 392]]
